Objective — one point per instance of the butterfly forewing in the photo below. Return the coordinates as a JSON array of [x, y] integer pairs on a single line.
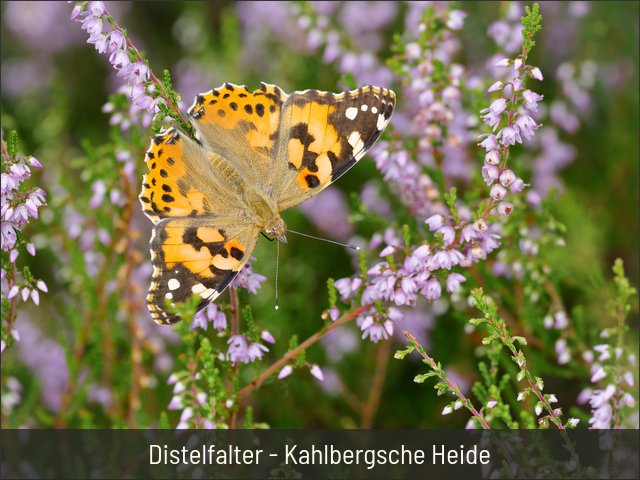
[[324, 134], [240, 125]]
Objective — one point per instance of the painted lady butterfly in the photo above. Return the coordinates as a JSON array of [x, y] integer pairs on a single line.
[[261, 153]]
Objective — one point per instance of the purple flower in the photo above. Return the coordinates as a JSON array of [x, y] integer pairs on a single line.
[[347, 287], [434, 222], [489, 143], [93, 26], [507, 177], [255, 351], [509, 136], [490, 174], [453, 282], [499, 85], [317, 372], [597, 373], [115, 41], [285, 372], [505, 208], [564, 355], [267, 337], [526, 125], [237, 351], [531, 100], [389, 250], [493, 113], [498, 192], [602, 412], [468, 234], [247, 279], [536, 73], [209, 314], [375, 331], [120, 60], [492, 158], [432, 290], [448, 235]]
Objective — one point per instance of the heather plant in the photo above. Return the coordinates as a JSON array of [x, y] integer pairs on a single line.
[[476, 244]]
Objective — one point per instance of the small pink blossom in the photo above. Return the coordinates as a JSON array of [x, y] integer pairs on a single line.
[[453, 282], [285, 372], [434, 222], [267, 337], [317, 372], [536, 73]]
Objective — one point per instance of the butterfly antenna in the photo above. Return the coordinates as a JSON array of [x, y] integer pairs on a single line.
[[352, 247], [277, 264]]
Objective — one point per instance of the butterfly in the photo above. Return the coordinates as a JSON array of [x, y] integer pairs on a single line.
[[259, 153]]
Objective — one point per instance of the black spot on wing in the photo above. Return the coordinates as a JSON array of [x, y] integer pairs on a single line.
[[312, 181]]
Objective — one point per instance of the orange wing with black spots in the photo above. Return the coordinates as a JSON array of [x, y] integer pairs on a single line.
[[195, 257], [184, 179], [322, 135], [240, 125], [261, 152], [200, 238]]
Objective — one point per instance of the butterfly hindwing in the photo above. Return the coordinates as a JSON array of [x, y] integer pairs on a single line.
[[195, 257], [324, 134]]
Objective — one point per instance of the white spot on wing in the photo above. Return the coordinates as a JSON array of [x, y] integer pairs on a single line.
[[351, 113], [169, 295], [207, 293], [359, 155], [355, 140], [381, 122], [374, 110], [198, 288], [364, 108], [173, 284]]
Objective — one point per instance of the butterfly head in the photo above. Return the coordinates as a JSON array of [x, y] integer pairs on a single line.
[[276, 229]]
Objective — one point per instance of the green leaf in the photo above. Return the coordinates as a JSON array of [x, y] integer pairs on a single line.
[[400, 354]]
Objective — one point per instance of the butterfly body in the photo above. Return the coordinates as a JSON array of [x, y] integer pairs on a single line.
[[261, 153]]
